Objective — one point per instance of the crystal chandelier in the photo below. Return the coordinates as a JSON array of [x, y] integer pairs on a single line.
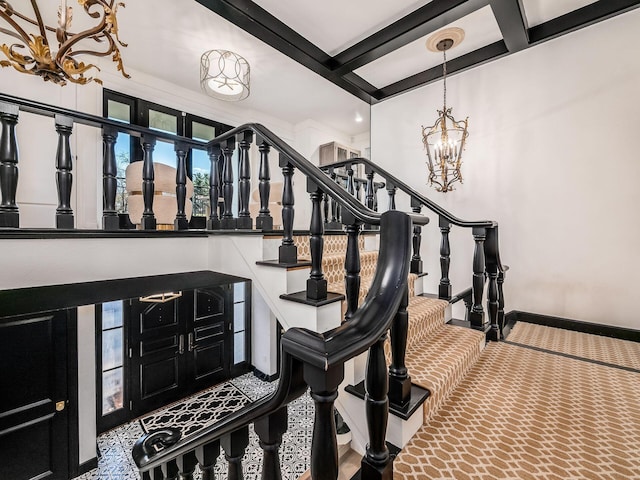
[[224, 75], [445, 140], [34, 54]]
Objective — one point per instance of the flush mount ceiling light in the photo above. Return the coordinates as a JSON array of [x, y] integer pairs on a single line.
[[224, 75], [445, 140], [34, 54]]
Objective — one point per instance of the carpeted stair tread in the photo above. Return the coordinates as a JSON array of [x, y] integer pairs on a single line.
[[333, 266], [440, 360], [332, 244]]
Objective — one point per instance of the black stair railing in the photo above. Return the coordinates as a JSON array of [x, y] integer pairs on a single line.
[[486, 265], [309, 359]]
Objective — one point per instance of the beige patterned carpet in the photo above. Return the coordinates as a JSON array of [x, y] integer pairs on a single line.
[[525, 414]]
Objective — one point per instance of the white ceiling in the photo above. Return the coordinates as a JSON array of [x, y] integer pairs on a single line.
[[540, 11]]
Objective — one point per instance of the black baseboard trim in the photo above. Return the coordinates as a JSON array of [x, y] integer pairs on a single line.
[[575, 325], [87, 466], [263, 376]]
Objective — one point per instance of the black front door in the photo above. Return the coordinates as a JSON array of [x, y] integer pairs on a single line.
[[34, 433]]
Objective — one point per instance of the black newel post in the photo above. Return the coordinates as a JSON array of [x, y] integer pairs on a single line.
[[501, 304], [399, 379], [476, 316], [264, 221], [181, 222], [244, 182], [148, 186], [186, 465], [416, 259], [270, 430], [228, 222], [9, 215], [391, 190], [288, 252], [376, 463], [316, 283], [234, 446], [64, 176], [207, 456], [324, 444], [213, 222], [444, 289], [109, 179], [352, 264]]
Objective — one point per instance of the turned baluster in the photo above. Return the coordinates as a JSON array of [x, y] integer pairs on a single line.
[[375, 196], [444, 288], [148, 220], [491, 266], [324, 444], [325, 208], [376, 463], [270, 430], [207, 456], [181, 222], [476, 316], [228, 222], [64, 175], [391, 190], [370, 189], [501, 304], [214, 151], [186, 465], [316, 283], [352, 264], [416, 259], [359, 191], [170, 470], [234, 446], [399, 379], [244, 183], [288, 252], [109, 179], [264, 221], [350, 183], [9, 213]]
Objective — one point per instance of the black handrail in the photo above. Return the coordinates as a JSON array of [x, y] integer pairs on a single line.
[[46, 110], [312, 172], [418, 197], [362, 181], [302, 348]]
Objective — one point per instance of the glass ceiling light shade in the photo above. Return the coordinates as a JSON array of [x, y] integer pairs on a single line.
[[33, 52], [446, 139], [224, 75]]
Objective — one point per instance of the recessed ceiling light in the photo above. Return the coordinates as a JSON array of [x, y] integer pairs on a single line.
[[359, 118]]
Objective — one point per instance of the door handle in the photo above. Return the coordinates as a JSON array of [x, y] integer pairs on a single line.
[[60, 405], [181, 345], [192, 344]]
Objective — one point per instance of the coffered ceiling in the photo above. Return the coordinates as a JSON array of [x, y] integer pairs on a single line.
[[376, 49]]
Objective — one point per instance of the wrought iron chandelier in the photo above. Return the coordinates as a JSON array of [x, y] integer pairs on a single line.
[[224, 75], [33, 54], [445, 140]]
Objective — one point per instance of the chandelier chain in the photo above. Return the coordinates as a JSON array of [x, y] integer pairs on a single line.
[[444, 77]]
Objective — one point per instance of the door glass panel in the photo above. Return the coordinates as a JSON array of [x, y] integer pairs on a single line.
[[238, 348], [119, 111], [111, 315], [112, 390], [112, 368], [203, 132], [201, 167], [163, 122], [111, 349]]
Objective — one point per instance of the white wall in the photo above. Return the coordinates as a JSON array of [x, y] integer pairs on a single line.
[[552, 157]]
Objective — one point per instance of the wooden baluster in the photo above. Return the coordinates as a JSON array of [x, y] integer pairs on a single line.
[[244, 182], [491, 267], [110, 219], [359, 191], [416, 259], [186, 465], [234, 446], [350, 184], [501, 304], [376, 463], [288, 252], [324, 444], [228, 222], [214, 151], [391, 190], [399, 379], [352, 264], [170, 470], [207, 456], [64, 175], [326, 209], [370, 189], [264, 221], [476, 317], [181, 222], [148, 186], [375, 197], [316, 283], [9, 213], [270, 430], [444, 289]]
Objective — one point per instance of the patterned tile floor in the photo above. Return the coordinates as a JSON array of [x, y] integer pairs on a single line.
[[115, 462]]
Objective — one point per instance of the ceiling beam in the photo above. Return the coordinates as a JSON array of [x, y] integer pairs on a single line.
[[417, 24], [512, 22], [457, 65], [583, 17], [256, 21]]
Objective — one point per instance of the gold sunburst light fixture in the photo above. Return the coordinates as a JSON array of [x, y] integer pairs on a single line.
[[445, 140], [33, 54]]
